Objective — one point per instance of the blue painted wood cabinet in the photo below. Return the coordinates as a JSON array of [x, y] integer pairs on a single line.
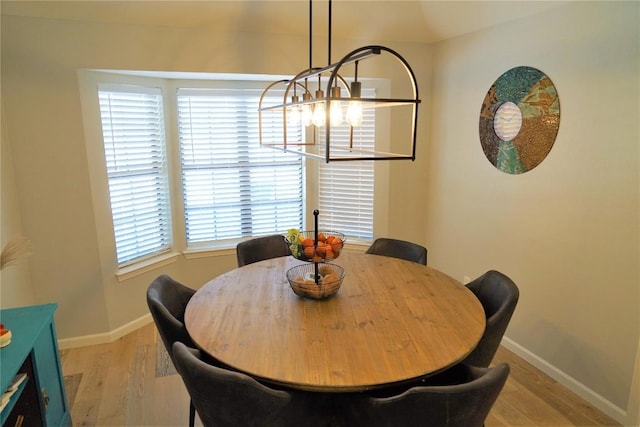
[[41, 398]]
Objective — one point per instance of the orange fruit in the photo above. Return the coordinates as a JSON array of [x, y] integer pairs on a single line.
[[321, 237], [329, 252], [330, 239], [307, 243], [309, 251], [336, 244], [321, 249]]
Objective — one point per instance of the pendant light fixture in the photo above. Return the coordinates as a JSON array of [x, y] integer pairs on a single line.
[[330, 114]]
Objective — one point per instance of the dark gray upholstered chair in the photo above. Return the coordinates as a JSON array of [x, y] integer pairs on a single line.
[[227, 398], [498, 295], [398, 249], [167, 301], [465, 402], [261, 248]]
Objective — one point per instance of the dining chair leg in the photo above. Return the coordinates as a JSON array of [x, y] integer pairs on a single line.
[[192, 413]]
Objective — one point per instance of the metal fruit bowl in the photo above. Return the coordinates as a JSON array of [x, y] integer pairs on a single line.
[[302, 279], [327, 248]]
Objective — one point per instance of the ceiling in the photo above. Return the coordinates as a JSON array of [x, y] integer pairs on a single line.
[[371, 21]]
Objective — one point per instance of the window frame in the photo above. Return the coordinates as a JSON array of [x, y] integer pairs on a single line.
[[169, 82], [183, 87], [155, 168]]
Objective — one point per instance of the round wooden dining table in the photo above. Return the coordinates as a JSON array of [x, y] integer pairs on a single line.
[[391, 321]]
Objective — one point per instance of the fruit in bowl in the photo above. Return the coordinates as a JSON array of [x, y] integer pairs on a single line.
[[305, 247], [302, 279]]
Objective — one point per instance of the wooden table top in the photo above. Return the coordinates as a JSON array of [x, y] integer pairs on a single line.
[[392, 320]]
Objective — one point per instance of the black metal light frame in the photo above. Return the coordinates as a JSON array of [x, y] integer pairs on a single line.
[[334, 152]]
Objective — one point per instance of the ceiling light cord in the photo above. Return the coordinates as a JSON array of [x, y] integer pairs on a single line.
[[329, 38], [310, 33]]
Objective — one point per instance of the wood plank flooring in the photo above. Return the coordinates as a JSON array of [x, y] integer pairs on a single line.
[[117, 384]]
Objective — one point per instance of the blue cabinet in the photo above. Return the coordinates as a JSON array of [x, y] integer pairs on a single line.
[[41, 398]]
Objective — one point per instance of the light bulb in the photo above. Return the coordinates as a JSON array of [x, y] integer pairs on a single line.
[[354, 113], [294, 112], [319, 114], [306, 114], [354, 109], [294, 116], [336, 107], [336, 113], [319, 110]]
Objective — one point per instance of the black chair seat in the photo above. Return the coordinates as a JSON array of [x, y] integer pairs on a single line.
[[261, 248], [398, 249], [465, 402], [498, 295], [167, 300], [227, 398]]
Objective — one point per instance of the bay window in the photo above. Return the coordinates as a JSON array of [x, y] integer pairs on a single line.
[[183, 168]]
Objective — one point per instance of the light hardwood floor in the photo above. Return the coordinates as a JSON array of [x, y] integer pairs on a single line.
[[119, 384]]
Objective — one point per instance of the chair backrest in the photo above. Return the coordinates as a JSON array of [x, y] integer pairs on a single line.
[[498, 295], [398, 249], [227, 398], [464, 404], [261, 248], [167, 300]]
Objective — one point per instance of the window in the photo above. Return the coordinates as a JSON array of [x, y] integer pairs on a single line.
[[232, 187], [134, 146], [184, 170]]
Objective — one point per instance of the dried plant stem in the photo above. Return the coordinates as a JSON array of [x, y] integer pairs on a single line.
[[17, 248]]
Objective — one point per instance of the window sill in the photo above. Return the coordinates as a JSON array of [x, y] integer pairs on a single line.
[[142, 267], [209, 252]]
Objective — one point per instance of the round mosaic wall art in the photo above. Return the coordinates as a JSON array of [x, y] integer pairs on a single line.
[[519, 120]]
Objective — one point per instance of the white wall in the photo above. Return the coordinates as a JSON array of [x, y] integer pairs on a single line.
[[567, 232], [15, 282]]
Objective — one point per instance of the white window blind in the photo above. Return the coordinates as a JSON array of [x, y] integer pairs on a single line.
[[345, 190], [234, 188], [134, 145]]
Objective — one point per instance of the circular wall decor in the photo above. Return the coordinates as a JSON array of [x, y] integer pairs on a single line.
[[519, 120]]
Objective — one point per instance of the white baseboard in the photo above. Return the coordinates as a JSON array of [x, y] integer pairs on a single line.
[[106, 337], [567, 381]]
